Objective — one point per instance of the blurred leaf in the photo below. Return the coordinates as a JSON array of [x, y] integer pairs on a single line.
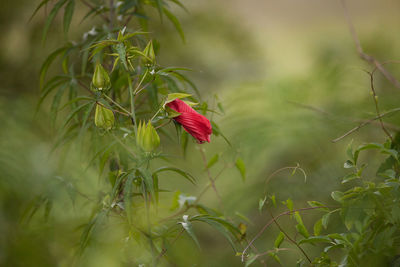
[[318, 227], [68, 13], [279, 240], [187, 225], [212, 161], [46, 64], [176, 23], [315, 239], [325, 220], [51, 17], [300, 226], [44, 2], [241, 167], [317, 204], [184, 174], [261, 203]]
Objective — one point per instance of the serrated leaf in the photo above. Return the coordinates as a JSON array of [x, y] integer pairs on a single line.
[[120, 48], [239, 164], [279, 239]]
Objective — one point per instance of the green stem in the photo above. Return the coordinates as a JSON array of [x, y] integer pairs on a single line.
[[116, 103], [137, 89], [132, 97]]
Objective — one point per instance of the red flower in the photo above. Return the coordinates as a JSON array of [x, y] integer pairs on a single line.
[[194, 123]]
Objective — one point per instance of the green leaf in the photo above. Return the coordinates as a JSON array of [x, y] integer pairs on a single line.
[[176, 23], [315, 239], [68, 13], [348, 164], [325, 220], [279, 240], [120, 48], [187, 225], [337, 195], [261, 203], [300, 226], [241, 167], [128, 197], [184, 174], [51, 17], [38, 8], [46, 64], [318, 227], [212, 161], [289, 204], [89, 229], [317, 204]]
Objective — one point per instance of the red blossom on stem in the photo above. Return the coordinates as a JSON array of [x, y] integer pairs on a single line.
[[193, 122]]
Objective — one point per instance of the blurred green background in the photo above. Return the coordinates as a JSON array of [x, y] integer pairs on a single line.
[[290, 81]]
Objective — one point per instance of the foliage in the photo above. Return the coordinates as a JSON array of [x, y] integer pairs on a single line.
[[111, 97]]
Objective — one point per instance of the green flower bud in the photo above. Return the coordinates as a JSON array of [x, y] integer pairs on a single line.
[[101, 80], [103, 118], [147, 137], [149, 53]]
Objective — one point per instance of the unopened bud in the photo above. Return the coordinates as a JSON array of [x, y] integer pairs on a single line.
[[101, 80], [103, 118], [147, 137]]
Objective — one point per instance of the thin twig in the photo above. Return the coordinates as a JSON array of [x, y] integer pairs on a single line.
[[375, 97], [113, 110], [116, 103], [164, 250], [288, 237], [203, 155], [205, 189], [294, 168], [366, 123], [271, 221], [361, 52], [93, 8]]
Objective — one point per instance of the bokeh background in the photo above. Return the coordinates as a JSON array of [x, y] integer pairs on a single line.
[[289, 79]]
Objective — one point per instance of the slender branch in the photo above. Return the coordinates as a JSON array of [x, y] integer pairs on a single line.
[[137, 89], [116, 103], [203, 155], [361, 52], [366, 123], [132, 99], [288, 237], [297, 167], [162, 125], [114, 110], [164, 250], [375, 97], [271, 221], [205, 189], [93, 8]]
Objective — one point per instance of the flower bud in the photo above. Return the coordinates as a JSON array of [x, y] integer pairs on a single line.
[[101, 80], [149, 53], [103, 118], [147, 137]]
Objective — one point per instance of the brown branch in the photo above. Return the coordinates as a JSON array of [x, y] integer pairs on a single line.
[[366, 123], [362, 54], [272, 220], [164, 250], [375, 97], [288, 237], [93, 8], [203, 155]]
